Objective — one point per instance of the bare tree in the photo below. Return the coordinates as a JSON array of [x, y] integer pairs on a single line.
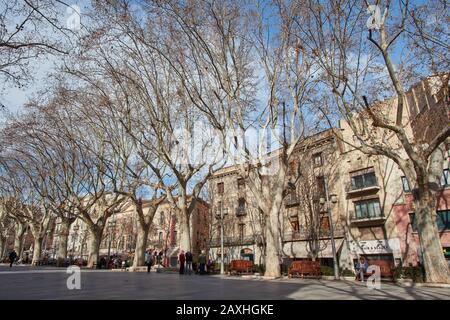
[[30, 29], [363, 61], [238, 55], [157, 111], [139, 179], [27, 205], [6, 225]]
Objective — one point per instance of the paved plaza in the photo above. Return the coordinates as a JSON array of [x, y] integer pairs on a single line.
[[25, 282]]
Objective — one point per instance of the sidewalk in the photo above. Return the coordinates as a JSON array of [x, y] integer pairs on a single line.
[[284, 279]]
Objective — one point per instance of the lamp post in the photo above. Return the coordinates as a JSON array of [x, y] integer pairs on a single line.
[[111, 226], [46, 240], [82, 237], [55, 242], [222, 214], [74, 238], [326, 201]]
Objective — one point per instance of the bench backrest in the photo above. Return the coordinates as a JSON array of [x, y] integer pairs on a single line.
[[305, 265], [241, 264]]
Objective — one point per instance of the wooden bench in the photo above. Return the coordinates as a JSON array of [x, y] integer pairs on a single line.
[[386, 268], [241, 267], [304, 269]]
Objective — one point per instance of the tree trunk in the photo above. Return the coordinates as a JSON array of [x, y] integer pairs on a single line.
[[2, 246], [273, 245], [37, 249], [185, 230], [436, 268], [141, 245], [21, 228], [63, 237], [145, 221], [94, 246]]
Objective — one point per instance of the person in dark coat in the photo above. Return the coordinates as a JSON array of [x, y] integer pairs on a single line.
[[12, 257], [149, 260], [189, 258], [202, 262], [182, 260]]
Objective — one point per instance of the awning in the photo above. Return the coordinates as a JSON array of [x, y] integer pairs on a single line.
[[300, 249]]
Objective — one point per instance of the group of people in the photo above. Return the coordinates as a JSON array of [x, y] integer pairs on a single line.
[[185, 261], [151, 256], [114, 262]]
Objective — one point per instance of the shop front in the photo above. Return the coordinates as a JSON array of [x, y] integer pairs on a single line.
[[377, 250]]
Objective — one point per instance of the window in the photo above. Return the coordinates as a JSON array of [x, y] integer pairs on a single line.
[[241, 203], [368, 209], [445, 180], [241, 231], [317, 159], [293, 168], [363, 179], [442, 220], [220, 187], [240, 183], [173, 239], [405, 184], [325, 223], [295, 226], [320, 181], [241, 207], [160, 237], [161, 218]]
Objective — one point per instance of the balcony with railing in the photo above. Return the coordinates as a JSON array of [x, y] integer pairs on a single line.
[[363, 184], [291, 200], [367, 219], [306, 234], [240, 212], [234, 241]]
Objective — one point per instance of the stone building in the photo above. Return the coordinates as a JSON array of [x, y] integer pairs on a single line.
[[428, 105], [242, 221], [366, 195]]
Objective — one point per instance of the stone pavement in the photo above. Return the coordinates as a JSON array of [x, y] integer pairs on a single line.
[[25, 282]]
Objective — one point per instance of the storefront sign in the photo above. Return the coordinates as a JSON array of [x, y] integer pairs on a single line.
[[375, 246]]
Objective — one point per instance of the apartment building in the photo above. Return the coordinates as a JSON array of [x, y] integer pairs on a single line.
[[236, 210], [428, 105], [366, 195]]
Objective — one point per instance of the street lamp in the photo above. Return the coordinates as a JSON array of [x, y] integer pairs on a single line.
[[46, 240], [111, 226], [55, 240], [74, 238], [223, 212], [83, 238], [326, 202]]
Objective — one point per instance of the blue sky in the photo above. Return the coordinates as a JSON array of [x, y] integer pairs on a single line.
[[13, 98]]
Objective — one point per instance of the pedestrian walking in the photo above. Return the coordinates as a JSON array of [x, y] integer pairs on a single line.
[[12, 257], [181, 261], [148, 260], [189, 258]]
